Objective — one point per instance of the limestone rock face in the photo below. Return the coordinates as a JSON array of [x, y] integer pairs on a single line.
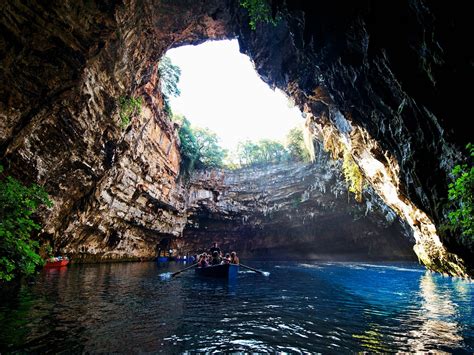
[[383, 81], [289, 210], [65, 67]]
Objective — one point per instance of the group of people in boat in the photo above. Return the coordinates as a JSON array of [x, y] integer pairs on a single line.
[[217, 257]]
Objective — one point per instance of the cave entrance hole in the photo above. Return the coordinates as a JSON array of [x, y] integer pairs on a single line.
[[221, 90]]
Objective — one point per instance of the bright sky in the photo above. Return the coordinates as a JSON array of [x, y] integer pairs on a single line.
[[221, 90]]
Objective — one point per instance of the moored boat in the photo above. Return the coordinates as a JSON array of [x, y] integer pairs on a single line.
[[229, 271], [56, 262]]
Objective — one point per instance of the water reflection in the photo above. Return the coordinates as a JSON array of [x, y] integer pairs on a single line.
[[438, 315]]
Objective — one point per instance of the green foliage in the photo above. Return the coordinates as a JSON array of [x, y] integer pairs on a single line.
[[296, 146], [210, 153], [199, 147], [352, 175], [129, 107], [169, 79], [265, 151], [188, 146], [259, 11], [461, 195], [17, 205], [350, 169]]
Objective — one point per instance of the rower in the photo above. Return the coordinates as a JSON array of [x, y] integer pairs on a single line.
[[216, 259], [234, 259], [214, 248], [202, 260]]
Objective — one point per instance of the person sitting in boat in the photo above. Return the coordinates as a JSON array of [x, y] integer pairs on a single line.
[[202, 260], [216, 259], [214, 248], [234, 259], [226, 259]]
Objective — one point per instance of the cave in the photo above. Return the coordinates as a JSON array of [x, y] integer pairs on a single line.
[[382, 85], [387, 91]]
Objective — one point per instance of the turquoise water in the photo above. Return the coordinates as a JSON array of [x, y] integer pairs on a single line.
[[300, 307]]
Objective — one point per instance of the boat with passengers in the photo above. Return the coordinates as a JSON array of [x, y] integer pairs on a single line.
[[229, 271]]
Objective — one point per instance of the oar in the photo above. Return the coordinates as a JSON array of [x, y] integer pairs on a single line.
[[264, 273], [180, 271]]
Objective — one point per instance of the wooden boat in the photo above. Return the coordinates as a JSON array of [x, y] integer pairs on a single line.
[[56, 263], [228, 271]]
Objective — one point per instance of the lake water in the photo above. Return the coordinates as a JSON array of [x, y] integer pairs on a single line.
[[300, 307]]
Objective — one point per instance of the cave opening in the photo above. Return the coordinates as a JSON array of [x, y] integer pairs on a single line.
[[82, 114], [220, 102], [103, 110], [220, 89], [99, 113]]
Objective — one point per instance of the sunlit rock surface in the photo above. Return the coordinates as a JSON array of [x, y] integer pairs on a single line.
[[65, 66], [385, 80], [289, 210], [382, 80]]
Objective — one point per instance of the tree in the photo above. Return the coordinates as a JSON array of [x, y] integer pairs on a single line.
[[272, 151], [18, 251], [169, 79], [199, 147], [247, 153], [295, 145], [188, 145], [210, 153], [265, 151], [461, 196]]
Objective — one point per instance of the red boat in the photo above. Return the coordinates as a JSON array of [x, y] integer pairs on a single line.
[[54, 262]]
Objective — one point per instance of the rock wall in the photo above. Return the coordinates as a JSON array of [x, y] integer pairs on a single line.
[[381, 80], [65, 66], [289, 210]]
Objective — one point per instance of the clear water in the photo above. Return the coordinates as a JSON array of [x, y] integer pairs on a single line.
[[300, 307]]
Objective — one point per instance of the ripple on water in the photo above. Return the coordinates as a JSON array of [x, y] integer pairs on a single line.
[[307, 307]]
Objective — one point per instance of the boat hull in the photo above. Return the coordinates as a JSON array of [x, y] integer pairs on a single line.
[[61, 263], [229, 271]]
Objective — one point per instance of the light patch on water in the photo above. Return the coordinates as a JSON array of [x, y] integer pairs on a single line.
[[397, 268], [356, 267], [284, 326], [272, 306], [253, 344], [311, 266], [165, 276], [301, 335]]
